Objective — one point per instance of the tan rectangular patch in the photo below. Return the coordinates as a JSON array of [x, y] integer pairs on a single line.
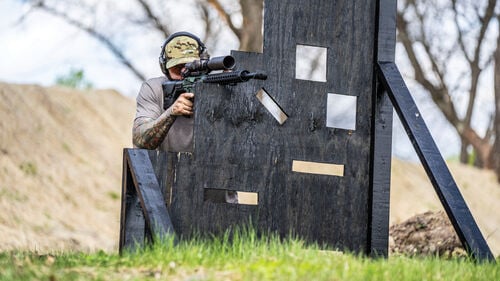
[[270, 104], [248, 198], [318, 168]]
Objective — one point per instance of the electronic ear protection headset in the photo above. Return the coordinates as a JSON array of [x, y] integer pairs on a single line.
[[163, 59]]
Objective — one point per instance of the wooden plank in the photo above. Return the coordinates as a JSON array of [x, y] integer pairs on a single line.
[[318, 168], [148, 191], [132, 225], [386, 33], [135, 234], [380, 171], [162, 170], [434, 164]]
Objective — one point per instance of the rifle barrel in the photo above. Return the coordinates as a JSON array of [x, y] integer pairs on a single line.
[[234, 77]]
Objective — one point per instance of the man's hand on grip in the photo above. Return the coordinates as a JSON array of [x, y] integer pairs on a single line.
[[183, 105]]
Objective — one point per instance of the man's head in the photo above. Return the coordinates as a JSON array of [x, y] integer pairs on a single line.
[[180, 48]]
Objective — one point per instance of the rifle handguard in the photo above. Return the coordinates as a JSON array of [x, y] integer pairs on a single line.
[[233, 77]]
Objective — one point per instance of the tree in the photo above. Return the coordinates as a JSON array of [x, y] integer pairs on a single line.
[[250, 32], [154, 16], [74, 79], [496, 147], [449, 47]]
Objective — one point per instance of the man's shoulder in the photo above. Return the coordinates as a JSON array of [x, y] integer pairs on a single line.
[[152, 86], [156, 81]]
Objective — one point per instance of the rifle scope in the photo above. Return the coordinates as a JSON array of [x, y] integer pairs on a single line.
[[207, 65]]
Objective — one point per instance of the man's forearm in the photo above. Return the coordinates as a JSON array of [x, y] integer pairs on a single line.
[[150, 133]]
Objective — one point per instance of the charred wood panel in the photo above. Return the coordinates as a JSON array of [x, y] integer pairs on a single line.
[[239, 146]]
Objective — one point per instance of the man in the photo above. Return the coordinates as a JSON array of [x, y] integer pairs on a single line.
[[167, 130], [171, 129]]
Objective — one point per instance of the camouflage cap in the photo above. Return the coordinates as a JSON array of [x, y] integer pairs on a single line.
[[181, 49]]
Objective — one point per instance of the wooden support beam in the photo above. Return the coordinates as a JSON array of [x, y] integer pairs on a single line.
[[138, 170], [132, 224], [434, 164], [381, 153]]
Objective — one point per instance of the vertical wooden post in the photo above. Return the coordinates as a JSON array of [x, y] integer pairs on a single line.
[[380, 172], [132, 224]]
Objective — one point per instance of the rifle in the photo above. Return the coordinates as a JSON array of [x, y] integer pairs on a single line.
[[199, 71]]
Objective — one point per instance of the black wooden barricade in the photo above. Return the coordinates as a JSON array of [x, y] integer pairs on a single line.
[[240, 146]]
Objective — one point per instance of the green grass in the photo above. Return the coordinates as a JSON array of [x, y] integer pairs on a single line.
[[245, 257], [29, 168]]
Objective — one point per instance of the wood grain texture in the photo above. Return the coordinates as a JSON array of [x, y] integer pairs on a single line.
[[382, 135], [240, 146], [132, 223]]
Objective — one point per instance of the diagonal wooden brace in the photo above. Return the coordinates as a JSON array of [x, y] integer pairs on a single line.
[[434, 164], [144, 213]]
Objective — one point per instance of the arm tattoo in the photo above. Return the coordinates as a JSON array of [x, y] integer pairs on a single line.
[[149, 133]]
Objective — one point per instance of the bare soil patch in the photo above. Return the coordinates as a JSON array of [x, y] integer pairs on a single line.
[[427, 234]]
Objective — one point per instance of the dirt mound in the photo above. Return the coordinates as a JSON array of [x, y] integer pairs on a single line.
[[428, 234], [412, 193], [60, 167]]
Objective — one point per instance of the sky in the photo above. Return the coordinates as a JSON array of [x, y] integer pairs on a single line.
[[42, 48]]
